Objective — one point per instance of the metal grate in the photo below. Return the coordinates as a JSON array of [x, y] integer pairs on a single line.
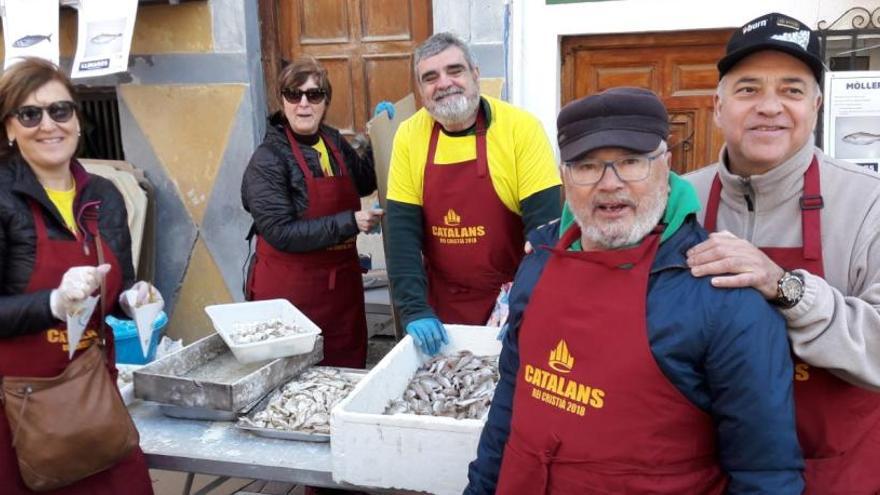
[[101, 133]]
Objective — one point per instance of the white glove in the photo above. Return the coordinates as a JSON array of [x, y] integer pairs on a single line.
[[141, 293], [77, 284]]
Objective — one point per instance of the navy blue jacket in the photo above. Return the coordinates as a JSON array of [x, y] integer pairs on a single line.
[[726, 350]]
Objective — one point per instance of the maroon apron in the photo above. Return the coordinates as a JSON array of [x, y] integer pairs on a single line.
[[592, 412], [838, 423], [46, 354], [325, 284], [472, 242]]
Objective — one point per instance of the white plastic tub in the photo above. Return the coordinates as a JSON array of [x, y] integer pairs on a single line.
[[406, 451], [225, 316]]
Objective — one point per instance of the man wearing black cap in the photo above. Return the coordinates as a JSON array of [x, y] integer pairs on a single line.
[[804, 230], [620, 371]]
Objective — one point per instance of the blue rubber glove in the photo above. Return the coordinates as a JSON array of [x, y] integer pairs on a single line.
[[384, 106], [428, 333]]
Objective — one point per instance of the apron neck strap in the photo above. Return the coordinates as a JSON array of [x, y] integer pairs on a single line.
[[301, 159], [480, 131], [811, 203]]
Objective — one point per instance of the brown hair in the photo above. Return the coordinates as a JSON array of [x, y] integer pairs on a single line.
[[299, 71], [18, 83]]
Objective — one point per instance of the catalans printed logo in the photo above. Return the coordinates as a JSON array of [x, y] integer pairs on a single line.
[[452, 232], [59, 336], [451, 218], [558, 391], [560, 359]]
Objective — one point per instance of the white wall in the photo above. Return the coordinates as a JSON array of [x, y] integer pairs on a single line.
[[537, 29]]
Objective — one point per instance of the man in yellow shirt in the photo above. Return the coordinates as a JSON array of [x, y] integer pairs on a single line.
[[469, 175]]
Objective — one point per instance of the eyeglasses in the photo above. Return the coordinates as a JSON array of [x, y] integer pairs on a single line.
[[627, 168], [313, 95], [32, 115]]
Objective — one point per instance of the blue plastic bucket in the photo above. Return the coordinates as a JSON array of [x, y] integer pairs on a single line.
[[128, 346]]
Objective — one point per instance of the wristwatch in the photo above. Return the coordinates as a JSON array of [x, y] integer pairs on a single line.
[[789, 290]]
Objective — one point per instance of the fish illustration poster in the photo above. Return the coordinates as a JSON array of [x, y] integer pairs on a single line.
[[852, 117], [103, 37], [30, 29]]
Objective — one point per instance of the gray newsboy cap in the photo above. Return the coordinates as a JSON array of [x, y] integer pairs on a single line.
[[630, 118]]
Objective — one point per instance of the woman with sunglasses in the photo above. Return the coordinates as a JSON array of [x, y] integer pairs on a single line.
[[54, 216], [302, 187]]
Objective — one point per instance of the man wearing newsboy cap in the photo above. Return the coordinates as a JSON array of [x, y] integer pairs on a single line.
[[804, 230], [621, 372]]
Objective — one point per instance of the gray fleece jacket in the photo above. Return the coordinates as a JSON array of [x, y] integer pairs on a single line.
[[837, 323]]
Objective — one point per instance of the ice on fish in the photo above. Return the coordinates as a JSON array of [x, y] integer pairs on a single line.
[[304, 404], [458, 386], [274, 328]]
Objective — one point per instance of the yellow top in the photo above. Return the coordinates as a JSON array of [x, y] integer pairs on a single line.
[[323, 156], [63, 200], [521, 161]]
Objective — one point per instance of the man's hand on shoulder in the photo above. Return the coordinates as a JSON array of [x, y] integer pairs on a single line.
[[734, 262]]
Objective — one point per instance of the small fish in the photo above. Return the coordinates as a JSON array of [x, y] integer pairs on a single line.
[[104, 38], [861, 138], [31, 40]]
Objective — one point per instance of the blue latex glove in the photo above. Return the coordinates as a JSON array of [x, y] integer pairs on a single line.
[[428, 333], [384, 106]]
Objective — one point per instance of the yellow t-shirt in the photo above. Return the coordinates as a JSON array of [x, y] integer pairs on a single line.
[[521, 161], [63, 200], [323, 154]]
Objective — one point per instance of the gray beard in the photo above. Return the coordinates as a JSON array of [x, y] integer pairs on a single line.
[[456, 110], [617, 235]]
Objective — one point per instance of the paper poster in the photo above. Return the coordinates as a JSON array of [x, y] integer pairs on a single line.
[[852, 117], [30, 29], [104, 37]]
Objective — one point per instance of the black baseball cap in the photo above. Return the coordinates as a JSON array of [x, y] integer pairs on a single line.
[[774, 32], [630, 118]]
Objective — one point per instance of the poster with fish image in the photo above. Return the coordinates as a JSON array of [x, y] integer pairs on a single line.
[[104, 37], [30, 29], [852, 117]]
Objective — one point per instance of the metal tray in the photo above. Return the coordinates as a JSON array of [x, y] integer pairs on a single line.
[[289, 434], [206, 375]]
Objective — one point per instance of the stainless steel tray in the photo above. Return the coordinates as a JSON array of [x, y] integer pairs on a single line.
[[290, 434], [206, 375]]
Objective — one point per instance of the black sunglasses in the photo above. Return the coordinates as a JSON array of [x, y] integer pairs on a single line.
[[294, 96], [31, 115]]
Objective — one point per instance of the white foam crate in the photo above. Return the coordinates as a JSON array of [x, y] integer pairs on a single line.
[[406, 451], [225, 316]]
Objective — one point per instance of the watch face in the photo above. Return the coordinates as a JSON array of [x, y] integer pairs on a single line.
[[792, 288]]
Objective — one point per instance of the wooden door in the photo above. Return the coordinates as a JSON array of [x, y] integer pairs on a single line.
[[679, 67], [366, 46]]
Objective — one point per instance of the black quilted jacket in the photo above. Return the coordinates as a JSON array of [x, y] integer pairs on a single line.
[[273, 191], [22, 313]]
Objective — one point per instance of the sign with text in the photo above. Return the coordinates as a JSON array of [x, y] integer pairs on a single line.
[[852, 117], [103, 37]]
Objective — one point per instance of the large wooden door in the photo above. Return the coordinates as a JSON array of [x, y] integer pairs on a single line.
[[366, 46], [679, 67]]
